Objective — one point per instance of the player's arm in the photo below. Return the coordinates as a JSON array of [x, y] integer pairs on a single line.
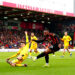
[[27, 40], [62, 39], [14, 55], [58, 38], [69, 38], [36, 38], [40, 41]]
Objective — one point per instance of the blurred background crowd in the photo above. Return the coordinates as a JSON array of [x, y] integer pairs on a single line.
[[12, 38]]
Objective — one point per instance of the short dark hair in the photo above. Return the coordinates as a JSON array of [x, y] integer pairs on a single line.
[[66, 31], [46, 30], [32, 32], [22, 42]]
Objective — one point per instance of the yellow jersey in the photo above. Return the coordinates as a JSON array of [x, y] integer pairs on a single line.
[[23, 50], [33, 38], [66, 40]]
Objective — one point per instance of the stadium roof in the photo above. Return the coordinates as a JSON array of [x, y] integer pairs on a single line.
[[31, 16]]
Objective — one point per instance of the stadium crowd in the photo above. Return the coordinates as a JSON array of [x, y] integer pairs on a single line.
[[12, 38]]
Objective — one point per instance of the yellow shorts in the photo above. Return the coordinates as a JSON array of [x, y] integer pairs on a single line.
[[17, 61], [66, 47], [33, 47], [20, 61]]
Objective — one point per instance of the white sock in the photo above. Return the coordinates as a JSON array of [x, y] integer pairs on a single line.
[[46, 63], [35, 57]]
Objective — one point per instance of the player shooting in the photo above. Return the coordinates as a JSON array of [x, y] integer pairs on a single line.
[[52, 44]]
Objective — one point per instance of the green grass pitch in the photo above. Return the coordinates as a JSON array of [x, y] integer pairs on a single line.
[[58, 65]]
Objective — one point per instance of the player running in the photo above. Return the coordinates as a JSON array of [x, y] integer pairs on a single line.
[[66, 38], [33, 44], [52, 44], [22, 54]]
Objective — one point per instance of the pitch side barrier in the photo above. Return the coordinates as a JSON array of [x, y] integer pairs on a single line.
[[15, 50]]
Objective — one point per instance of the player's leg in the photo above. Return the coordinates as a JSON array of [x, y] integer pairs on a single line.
[[20, 65], [13, 62], [35, 48], [36, 51], [9, 62], [39, 56], [42, 54], [47, 51], [64, 51], [30, 52], [20, 60], [47, 60], [16, 62], [53, 53], [69, 52]]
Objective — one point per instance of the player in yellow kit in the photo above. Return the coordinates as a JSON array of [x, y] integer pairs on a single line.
[[33, 44], [22, 54], [66, 39]]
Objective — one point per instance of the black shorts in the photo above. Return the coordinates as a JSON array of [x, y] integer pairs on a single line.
[[54, 48]]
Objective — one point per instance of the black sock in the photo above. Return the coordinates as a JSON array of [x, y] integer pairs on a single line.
[[47, 58], [41, 55]]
